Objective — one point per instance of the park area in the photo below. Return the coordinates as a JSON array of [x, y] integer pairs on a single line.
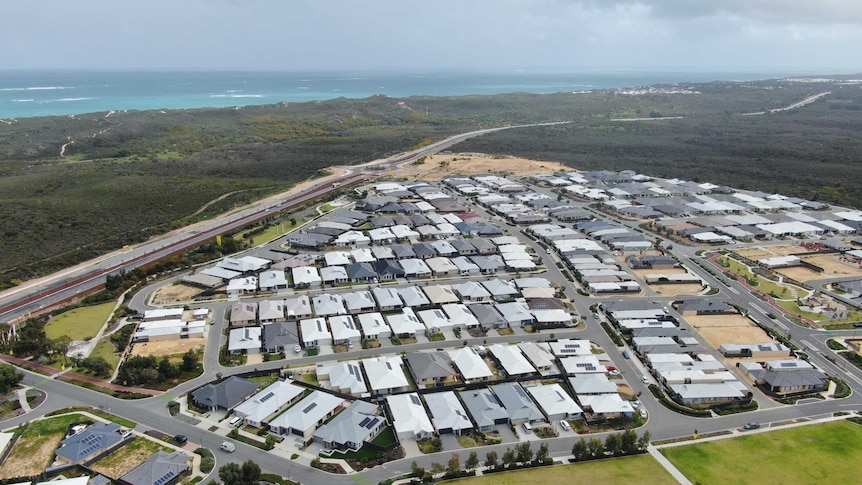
[[629, 469], [80, 323], [821, 453], [34, 449]]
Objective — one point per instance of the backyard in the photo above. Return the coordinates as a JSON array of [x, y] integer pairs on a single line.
[[823, 453], [81, 323], [35, 448]]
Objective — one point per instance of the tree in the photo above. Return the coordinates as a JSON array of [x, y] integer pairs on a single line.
[[543, 453], [9, 378], [97, 366], [629, 442], [643, 442], [437, 468], [167, 370], [596, 448], [454, 465], [580, 450], [250, 472], [270, 442], [525, 453], [417, 470], [613, 444], [190, 361], [472, 461], [231, 474], [491, 459], [509, 458], [61, 345]]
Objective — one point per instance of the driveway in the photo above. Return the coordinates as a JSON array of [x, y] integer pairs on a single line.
[[450, 442]]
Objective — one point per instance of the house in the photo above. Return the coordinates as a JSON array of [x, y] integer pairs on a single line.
[[303, 418], [343, 330], [485, 409], [413, 297], [460, 316], [385, 375], [435, 320], [344, 377], [431, 369], [305, 277], [244, 265], [487, 316], [361, 273], [405, 324], [424, 250], [472, 292], [409, 417], [280, 336], [441, 294], [274, 398], [441, 266], [161, 468], [382, 252], [241, 286], [415, 268], [511, 360], [328, 304], [555, 402], [539, 354], [470, 365], [489, 264], [91, 443], [582, 364], [272, 281], [568, 347], [601, 407], [337, 258], [591, 384], [706, 307], [382, 235], [389, 269], [447, 413], [465, 266], [362, 255], [501, 290], [161, 330], [373, 326], [163, 314], [270, 311], [314, 332], [243, 313], [516, 313], [334, 275], [403, 232], [518, 405], [352, 239], [403, 251], [244, 340], [352, 428], [552, 318], [359, 302], [224, 395], [708, 394], [463, 247], [387, 299], [297, 308]]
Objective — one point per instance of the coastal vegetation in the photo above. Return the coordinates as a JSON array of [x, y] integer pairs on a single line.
[[136, 174]]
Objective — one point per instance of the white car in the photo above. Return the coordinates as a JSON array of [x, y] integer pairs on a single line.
[[613, 372], [297, 348], [643, 413], [565, 425], [636, 404], [228, 446], [645, 379]]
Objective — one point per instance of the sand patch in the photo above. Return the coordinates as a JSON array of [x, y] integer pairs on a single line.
[[787, 250], [442, 166], [643, 272], [674, 290], [727, 329], [175, 294], [754, 253], [29, 456], [168, 347]]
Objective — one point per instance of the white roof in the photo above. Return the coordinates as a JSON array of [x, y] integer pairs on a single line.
[[337, 258], [566, 347], [606, 404], [387, 297], [532, 283], [552, 315], [305, 414], [408, 414], [346, 377], [373, 324], [298, 306], [781, 228], [413, 296], [249, 283], [385, 373], [470, 364], [381, 234], [305, 275], [343, 328], [359, 300], [362, 255], [333, 273], [314, 329], [271, 310], [471, 290], [271, 279], [328, 304], [414, 266], [440, 265], [538, 353], [162, 313], [434, 319], [554, 400], [582, 364], [460, 315], [447, 411], [512, 360], [405, 322], [245, 338], [707, 391], [268, 401]]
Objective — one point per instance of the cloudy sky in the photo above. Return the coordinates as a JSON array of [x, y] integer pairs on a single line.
[[311, 35]]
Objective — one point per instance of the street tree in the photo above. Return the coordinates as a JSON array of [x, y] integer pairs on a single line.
[[525, 453], [543, 453], [509, 458], [491, 459], [580, 450], [454, 465]]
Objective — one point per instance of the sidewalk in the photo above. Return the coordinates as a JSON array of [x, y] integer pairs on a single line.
[[664, 462]]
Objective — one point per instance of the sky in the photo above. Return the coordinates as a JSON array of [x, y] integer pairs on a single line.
[[482, 35]]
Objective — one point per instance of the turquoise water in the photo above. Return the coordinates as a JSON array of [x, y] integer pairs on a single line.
[[43, 93]]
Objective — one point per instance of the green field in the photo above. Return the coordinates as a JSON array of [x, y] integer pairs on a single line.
[[105, 349], [630, 469], [824, 453], [80, 323]]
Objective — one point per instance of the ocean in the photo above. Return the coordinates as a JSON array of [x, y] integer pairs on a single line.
[[45, 93]]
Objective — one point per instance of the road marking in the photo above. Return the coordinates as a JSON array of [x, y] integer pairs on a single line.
[[779, 325], [761, 310], [808, 345], [733, 290]]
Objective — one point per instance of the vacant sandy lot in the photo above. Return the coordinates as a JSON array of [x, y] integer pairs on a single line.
[[174, 294], [727, 329], [643, 272], [168, 347], [674, 290], [30, 456], [441, 166]]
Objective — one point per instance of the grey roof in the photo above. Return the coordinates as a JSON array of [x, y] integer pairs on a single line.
[[353, 425], [429, 365], [518, 404], [703, 305], [403, 251], [793, 379], [389, 267], [280, 335], [93, 440], [424, 250], [224, 395], [484, 407], [487, 314], [309, 240], [361, 271], [159, 469], [483, 245], [413, 296], [462, 246], [490, 262]]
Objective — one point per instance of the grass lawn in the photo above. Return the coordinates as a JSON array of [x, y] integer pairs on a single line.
[[80, 323], [35, 448], [385, 438], [793, 308], [124, 459], [631, 469], [466, 441], [823, 453], [105, 349], [310, 378], [264, 380]]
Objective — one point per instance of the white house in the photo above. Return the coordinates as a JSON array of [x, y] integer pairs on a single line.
[[555, 402], [385, 374], [272, 399], [405, 324], [435, 320], [241, 286], [244, 340], [447, 413], [343, 330], [305, 277], [460, 316], [297, 307], [306, 415], [409, 417], [511, 360], [334, 275], [373, 326], [314, 332], [272, 280], [471, 366], [328, 304]]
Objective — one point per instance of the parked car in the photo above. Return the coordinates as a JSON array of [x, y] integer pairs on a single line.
[[751, 426], [297, 348], [565, 425], [645, 379], [636, 404], [614, 372], [228, 446], [181, 439], [643, 413], [625, 354]]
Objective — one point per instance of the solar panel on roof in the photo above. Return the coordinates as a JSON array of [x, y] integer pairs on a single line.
[[309, 407], [372, 423], [415, 400], [268, 396], [164, 478], [389, 366], [364, 421]]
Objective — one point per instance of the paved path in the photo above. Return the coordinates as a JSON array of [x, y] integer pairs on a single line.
[[674, 471]]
